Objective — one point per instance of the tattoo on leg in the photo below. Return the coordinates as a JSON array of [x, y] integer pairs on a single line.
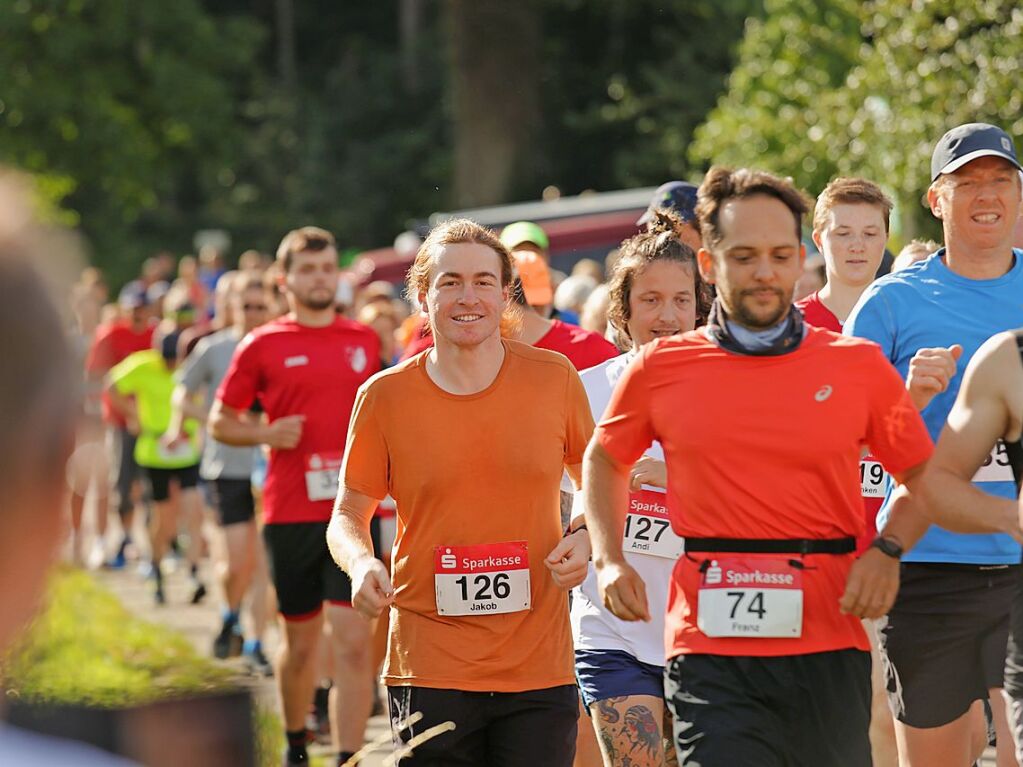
[[608, 742], [607, 709], [641, 730]]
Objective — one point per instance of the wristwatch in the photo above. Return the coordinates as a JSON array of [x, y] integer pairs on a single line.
[[887, 546]]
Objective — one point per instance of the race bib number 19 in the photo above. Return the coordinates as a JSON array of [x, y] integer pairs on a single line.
[[485, 579], [872, 478], [321, 475], [647, 530], [759, 597]]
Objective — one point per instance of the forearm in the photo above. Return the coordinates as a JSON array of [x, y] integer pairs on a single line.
[[961, 507], [232, 430], [605, 498], [349, 539]]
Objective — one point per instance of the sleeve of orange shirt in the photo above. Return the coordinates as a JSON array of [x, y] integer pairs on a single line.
[[626, 431], [366, 463], [579, 426], [896, 433]]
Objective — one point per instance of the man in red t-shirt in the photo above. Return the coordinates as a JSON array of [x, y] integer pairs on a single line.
[[767, 658], [132, 332], [305, 369]]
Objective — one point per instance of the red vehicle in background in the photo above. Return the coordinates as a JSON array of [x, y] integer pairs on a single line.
[[588, 225]]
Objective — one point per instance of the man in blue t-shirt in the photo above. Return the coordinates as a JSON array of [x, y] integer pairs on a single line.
[[945, 637]]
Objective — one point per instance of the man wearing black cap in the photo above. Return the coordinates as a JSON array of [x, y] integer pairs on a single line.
[[945, 637], [679, 196]]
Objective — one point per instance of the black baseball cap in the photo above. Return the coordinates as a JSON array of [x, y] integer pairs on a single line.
[[680, 196], [966, 143]]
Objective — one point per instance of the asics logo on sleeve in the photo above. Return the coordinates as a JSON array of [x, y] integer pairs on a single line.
[[823, 393]]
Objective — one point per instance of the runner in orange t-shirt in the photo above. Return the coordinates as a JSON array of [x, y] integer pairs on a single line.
[[767, 660], [479, 629]]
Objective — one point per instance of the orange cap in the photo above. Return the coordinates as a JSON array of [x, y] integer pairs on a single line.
[[535, 277]]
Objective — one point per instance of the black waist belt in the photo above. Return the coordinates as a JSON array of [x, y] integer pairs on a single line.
[[771, 545]]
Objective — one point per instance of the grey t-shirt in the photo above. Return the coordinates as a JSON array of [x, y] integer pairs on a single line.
[[205, 368]]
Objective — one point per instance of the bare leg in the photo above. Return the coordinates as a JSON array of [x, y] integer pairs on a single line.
[[1005, 752], [351, 697], [950, 745], [296, 668], [630, 730]]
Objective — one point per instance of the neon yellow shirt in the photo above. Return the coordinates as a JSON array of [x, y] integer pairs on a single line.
[[146, 376]]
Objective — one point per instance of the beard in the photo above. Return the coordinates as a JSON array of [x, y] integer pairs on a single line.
[[314, 302], [738, 312]]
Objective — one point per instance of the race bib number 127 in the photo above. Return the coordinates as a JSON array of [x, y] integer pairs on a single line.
[[647, 529], [485, 579]]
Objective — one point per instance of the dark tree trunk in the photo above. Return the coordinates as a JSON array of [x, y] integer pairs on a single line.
[[495, 68]]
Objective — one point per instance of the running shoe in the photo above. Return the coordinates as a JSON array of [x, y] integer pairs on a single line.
[[156, 575], [258, 663], [199, 593], [228, 643]]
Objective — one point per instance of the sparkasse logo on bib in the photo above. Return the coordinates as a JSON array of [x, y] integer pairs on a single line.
[[448, 560]]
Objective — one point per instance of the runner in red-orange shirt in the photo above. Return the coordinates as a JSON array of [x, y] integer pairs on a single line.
[[305, 369], [762, 420]]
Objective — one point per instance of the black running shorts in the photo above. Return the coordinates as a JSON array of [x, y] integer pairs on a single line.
[[512, 729], [785, 711], [160, 479], [303, 572], [943, 642], [232, 498]]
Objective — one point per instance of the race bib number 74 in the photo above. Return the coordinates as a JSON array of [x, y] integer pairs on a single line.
[[758, 597], [485, 579]]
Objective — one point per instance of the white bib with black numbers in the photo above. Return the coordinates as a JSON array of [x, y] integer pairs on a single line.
[[321, 475], [759, 597], [647, 529], [485, 579], [996, 467]]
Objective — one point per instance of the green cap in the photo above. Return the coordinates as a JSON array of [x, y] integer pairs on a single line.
[[515, 234]]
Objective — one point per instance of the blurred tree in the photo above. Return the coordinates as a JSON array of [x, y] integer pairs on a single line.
[[126, 112], [928, 67], [626, 82], [773, 116], [494, 57], [838, 87]]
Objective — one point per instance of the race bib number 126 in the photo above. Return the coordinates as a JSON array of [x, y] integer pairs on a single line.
[[485, 579]]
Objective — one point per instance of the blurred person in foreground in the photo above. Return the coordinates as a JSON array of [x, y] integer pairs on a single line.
[[38, 412]]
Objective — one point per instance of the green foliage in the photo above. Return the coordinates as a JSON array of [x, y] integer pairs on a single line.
[[844, 88], [790, 62], [145, 121], [86, 649], [126, 110], [628, 82]]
